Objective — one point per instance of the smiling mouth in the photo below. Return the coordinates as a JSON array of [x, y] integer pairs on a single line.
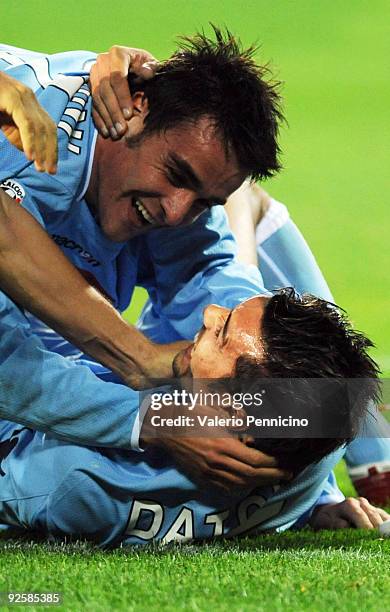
[[143, 214]]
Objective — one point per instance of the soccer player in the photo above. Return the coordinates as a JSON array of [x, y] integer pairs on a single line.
[[124, 497], [106, 208], [74, 311]]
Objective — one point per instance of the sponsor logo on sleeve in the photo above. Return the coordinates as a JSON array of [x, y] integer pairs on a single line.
[[14, 190]]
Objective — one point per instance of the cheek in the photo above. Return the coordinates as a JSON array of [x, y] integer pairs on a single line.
[[208, 362], [199, 365]]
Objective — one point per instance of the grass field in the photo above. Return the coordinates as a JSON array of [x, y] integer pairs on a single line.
[[331, 57], [342, 570], [337, 570]]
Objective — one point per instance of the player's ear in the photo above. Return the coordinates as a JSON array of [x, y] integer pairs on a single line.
[[135, 125]]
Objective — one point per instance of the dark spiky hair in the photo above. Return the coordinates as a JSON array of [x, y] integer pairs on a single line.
[[307, 338], [217, 78]]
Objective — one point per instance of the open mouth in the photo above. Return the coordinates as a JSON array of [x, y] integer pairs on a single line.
[[144, 216]]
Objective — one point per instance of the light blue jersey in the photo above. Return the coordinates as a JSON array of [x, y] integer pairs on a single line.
[[48, 481], [115, 497]]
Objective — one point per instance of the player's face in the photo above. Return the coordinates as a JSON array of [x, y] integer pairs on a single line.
[[166, 180], [225, 335]]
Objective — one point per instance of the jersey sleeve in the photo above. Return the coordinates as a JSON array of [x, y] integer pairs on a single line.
[[330, 494], [45, 391], [195, 266]]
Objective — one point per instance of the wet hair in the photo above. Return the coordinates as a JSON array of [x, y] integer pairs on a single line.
[[217, 78], [305, 337]]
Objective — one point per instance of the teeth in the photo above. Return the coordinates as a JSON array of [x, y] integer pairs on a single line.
[[144, 212]]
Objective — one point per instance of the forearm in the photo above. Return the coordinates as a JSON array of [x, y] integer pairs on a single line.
[[241, 224], [36, 275], [245, 208], [44, 391]]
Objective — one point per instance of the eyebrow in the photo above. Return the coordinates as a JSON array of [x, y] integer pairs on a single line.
[[183, 175], [184, 172], [225, 327]]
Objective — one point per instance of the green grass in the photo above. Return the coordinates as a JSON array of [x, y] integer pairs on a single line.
[[296, 571]]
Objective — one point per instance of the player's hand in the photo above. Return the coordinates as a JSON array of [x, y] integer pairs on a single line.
[[154, 363], [209, 453], [111, 97], [26, 125], [224, 462], [352, 512]]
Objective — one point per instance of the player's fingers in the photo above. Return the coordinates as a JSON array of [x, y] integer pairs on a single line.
[[224, 486], [251, 456], [99, 123], [26, 114], [372, 512], [38, 133], [225, 479], [271, 476], [101, 109], [123, 109], [109, 98], [122, 61], [26, 130], [39, 147], [13, 135], [137, 61], [146, 70], [245, 474], [100, 71], [385, 516], [33, 141], [112, 68], [233, 481], [45, 145], [98, 118], [351, 510], [51, 158]]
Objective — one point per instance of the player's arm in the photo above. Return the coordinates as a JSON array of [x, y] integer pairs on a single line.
[[44, 391], [244, 209], [36, 274]]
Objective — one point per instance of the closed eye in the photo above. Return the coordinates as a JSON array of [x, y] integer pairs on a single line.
[[217, 330], [182, 177], [175, 179]]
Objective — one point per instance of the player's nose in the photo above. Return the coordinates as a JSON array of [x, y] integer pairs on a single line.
[[177, 207], [212, 314]]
